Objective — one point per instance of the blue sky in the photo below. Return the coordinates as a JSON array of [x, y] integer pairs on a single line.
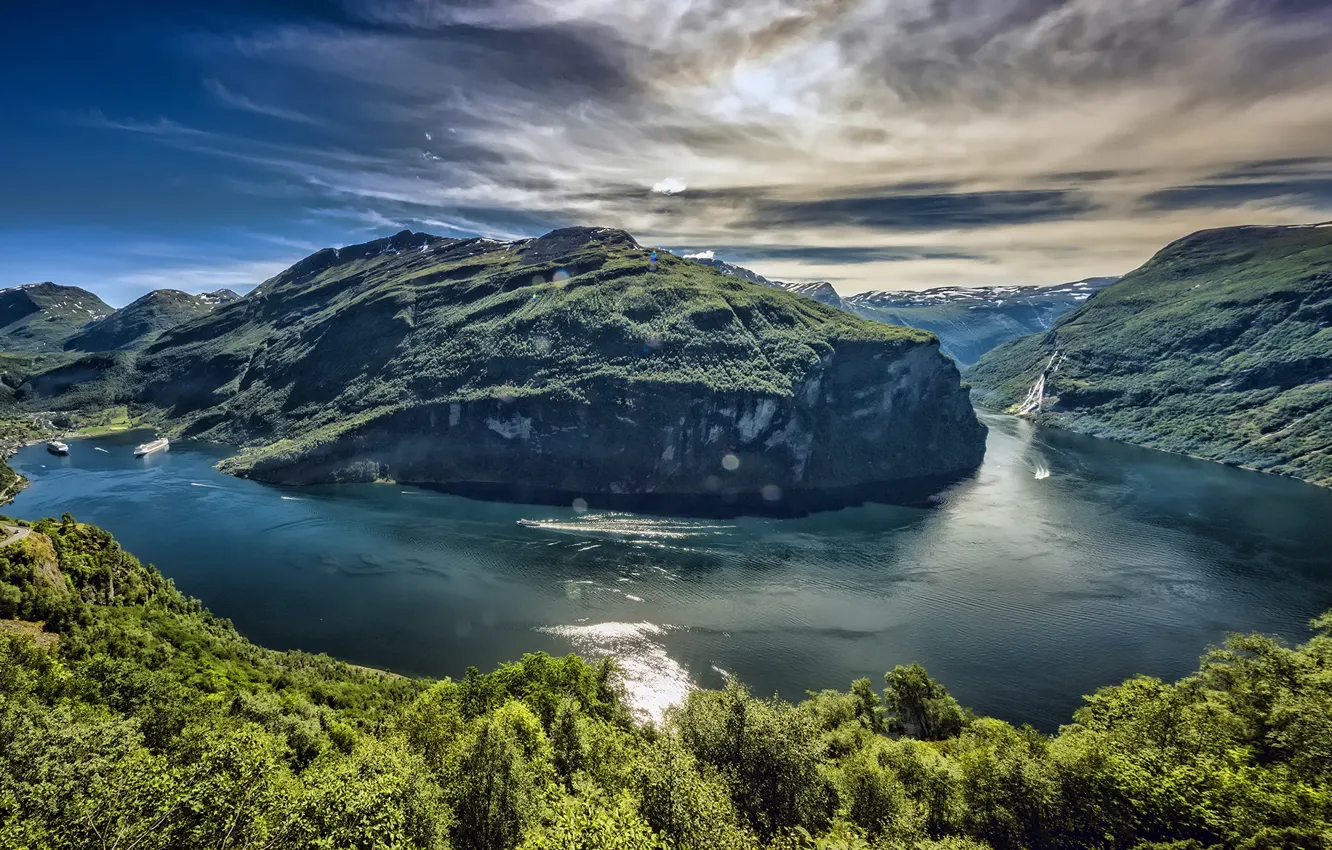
[[880, 144]]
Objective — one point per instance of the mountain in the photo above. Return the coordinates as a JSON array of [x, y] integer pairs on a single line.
[[547, 368], [821, 290], [140, 322], [969, 321], [1219, 347], [41, 316]]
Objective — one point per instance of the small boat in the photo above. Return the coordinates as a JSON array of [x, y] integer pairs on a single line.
[[529, 523], [56, 447], [161, 444]]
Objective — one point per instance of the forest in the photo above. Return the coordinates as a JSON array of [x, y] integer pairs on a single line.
[[132, 718]]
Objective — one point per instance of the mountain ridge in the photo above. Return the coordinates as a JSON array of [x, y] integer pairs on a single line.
[[139, 323], [968, 320], [41, 316], [1219, 347]]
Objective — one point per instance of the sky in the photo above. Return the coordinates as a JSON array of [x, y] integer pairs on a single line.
[[877, 144]]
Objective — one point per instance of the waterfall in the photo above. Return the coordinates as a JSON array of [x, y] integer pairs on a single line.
[[1036, 395]]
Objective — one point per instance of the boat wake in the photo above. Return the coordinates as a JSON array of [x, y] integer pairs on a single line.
[[630, 527], [1042, 471]]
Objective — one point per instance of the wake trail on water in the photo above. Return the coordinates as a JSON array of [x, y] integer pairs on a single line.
[[100, 449], [629, 527]]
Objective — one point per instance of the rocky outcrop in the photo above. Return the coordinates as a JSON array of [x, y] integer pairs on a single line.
[[870, 420]]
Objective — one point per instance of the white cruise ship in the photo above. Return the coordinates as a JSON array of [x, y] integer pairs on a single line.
[[161, 444]]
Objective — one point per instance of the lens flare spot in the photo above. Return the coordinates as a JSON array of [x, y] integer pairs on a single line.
[[730, 463], [580, 505]]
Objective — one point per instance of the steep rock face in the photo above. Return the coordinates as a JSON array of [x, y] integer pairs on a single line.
[[557, 365], [862, 416], [41, 316], [1219, 347]]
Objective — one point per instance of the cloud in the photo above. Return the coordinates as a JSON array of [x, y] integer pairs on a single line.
[[887, 143], [701, 255], [240, 276], [669, 186], [227, 97]]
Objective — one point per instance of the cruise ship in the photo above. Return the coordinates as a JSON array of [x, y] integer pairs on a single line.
[[159, 445], [56, 447]]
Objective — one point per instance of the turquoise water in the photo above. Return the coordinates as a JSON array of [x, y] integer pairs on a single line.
[[1066, 563]]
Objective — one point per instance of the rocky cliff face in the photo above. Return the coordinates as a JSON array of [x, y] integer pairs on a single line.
[[886, 424]]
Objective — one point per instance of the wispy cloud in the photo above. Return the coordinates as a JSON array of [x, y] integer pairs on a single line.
[[974, 140], [227, 97], [238, 276]]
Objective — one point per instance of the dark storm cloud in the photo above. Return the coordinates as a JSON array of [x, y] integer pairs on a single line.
[[834, 256], [923, 212], [1316, 193]]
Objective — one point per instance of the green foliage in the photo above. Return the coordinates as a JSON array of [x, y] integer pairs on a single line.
[[922, 706], [153, 724], [1219, 347]]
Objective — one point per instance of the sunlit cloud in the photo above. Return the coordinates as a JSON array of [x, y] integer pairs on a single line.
[[669, 186]]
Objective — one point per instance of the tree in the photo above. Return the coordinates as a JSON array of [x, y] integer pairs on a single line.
[[593, 823], [504, 772], [923, 706]]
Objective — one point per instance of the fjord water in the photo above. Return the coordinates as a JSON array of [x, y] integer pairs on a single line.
[[1065, 564]]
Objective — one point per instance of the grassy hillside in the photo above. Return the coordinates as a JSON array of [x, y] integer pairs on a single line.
[[140, 322], [41, 316], [137, 719], [346, 335], [1219, 347]]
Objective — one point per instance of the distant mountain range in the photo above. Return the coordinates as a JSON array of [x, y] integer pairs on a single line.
[[139, 323], [969, 321], [40, 317]]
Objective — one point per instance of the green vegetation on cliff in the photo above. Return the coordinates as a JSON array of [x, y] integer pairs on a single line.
[[141, 720], [360, 332], [563, 364], [1219, 347]]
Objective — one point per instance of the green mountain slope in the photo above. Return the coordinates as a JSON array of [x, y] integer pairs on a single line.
[[1219, 347], [134, 718], [41, 316], [140, 322], [562, 363]]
